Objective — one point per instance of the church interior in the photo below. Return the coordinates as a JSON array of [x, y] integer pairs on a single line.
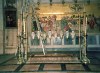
[[49, 36]]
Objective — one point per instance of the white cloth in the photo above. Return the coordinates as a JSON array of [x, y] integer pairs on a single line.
[[67, 34], [49, 34]]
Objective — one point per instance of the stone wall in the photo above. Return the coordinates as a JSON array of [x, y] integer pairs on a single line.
[[11, 46]]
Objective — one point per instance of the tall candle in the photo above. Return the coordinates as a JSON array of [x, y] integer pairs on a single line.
[[18, 26], [24, 25], [86, 25], [86, 22]]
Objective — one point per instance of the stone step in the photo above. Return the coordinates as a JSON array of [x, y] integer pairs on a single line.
[[53, 59]]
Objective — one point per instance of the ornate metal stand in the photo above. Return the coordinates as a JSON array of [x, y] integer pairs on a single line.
[[83, 40], [22, 38]]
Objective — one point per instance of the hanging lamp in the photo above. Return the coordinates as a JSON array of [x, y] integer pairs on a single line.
[[51, 2], [88, 1], [75, 1], [63, 2]]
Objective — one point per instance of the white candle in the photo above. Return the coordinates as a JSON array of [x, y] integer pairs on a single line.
[[61, 34], [49, 34], [18, 26], [86, 25], [86, 22], [38, 34], [24, 25], [73, 34], [33, 35]]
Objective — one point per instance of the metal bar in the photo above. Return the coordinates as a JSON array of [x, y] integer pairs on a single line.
[[80, 37], [19, 67], [41, 67], [54, 71], [65, 46], [63, 67]]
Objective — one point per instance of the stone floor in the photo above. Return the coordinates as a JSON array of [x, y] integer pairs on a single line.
[[9, 64]]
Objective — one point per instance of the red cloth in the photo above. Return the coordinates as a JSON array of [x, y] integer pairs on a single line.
[[91, 23], [66, 27], [46, 29]]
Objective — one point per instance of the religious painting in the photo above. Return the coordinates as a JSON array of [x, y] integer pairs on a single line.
[[11, 20]]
